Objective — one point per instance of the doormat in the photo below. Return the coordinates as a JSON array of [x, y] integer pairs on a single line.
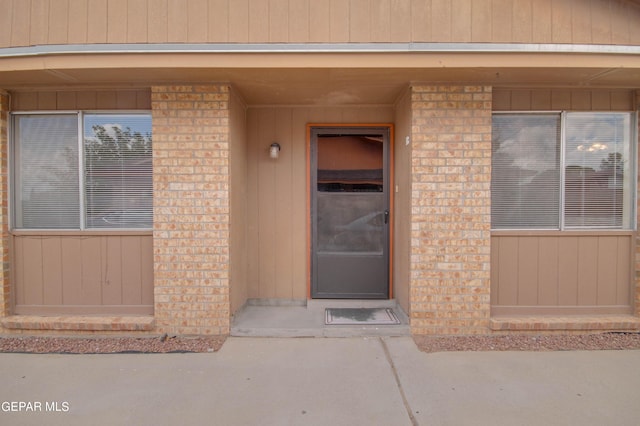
[[360, 316]]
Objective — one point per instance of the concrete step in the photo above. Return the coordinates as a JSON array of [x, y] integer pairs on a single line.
[[270, 319]]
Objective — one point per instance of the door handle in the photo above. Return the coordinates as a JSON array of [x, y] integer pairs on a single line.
[[386, 217]]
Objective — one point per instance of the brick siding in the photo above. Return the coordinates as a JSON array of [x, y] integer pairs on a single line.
[[451, 209], [191, 209]]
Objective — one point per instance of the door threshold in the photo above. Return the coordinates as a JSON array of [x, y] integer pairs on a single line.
[[351, 303]]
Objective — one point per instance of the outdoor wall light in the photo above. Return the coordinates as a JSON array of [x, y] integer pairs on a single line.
[[274, 150]]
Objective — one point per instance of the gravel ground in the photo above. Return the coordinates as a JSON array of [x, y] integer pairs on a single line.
[[519, 342], [104, 345], [164, 344]]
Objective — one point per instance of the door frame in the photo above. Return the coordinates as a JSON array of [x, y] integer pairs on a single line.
[[391, 173]]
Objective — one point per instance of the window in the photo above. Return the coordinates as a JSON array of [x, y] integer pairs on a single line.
[[82, 171], [572, 170]]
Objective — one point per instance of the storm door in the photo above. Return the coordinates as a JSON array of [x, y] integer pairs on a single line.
[[350, 212]]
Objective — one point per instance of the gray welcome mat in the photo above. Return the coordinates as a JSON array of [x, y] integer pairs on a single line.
[[360, 316]]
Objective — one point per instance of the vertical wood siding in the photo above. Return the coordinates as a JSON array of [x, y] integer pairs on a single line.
[[127, 99], [24, 23], [562, 99], [238, 287], [561, 271], [276, 194], [402, 203], [83, 274]]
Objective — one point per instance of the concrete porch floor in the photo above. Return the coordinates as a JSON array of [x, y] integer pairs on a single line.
[[306, 318]]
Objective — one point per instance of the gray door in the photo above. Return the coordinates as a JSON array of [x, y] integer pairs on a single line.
[[350, 212]]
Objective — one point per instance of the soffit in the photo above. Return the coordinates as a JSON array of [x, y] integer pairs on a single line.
[[324, 79]]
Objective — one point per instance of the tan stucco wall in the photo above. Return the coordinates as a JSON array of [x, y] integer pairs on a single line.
[[25, 23]]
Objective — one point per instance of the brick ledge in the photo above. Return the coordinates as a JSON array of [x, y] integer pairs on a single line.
[[573, 323], [79, 323]]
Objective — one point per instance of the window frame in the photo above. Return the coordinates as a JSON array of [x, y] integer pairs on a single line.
[[634, 152], [11, 179]]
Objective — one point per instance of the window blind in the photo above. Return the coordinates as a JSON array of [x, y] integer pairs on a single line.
[[598, 184], [46, 183], [525, 180], [118, 171]]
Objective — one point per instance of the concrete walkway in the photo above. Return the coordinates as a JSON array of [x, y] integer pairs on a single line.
[[323, 381]]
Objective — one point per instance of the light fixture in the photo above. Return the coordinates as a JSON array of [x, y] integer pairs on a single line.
[[274, 150]]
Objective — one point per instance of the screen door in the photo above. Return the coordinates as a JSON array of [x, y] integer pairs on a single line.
[[350, 212]]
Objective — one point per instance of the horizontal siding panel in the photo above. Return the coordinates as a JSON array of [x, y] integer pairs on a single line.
[[84, 100], [279, 21], [400, 20], [522, 31], [562, 99], [6, 20], [91, 259], [238, 21], [91, 274], [508, 255], [607, 270], [59, 22], [586, 271], [78, 15], [117, 21], [113, 285], [21, 23], [52, 271], [548, 263], [178, 22], [218, 21], [39, 26], [528, 271], [331, 21], [502, 20], [624, 291], [71, 249], [137, 31], [96, 21]]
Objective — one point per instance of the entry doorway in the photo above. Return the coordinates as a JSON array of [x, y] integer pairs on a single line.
[[350, 212]]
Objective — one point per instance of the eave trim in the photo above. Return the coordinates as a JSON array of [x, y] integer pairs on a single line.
[[83, 49]]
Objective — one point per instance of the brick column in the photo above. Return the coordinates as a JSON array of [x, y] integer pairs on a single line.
[[451, 209], [191, 209], [5, 285]]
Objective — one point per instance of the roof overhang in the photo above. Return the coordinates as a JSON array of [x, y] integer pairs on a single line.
[[320, 73]]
